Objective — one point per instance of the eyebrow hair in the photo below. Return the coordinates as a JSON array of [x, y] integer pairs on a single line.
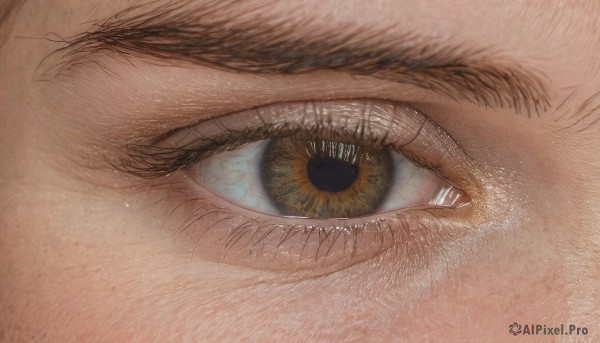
[[219, 35]]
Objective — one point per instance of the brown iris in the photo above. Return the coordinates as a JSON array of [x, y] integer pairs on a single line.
[[325, 179]]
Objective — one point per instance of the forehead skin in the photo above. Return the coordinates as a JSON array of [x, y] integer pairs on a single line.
[[558, 39]]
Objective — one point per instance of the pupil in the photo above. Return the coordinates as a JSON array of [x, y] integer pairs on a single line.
[[331, 175]]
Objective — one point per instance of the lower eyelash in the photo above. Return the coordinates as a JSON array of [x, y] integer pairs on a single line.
[[216, 232]]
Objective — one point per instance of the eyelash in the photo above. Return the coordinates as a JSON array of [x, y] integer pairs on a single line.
[[151, 161], [305, 246], [163, 157]]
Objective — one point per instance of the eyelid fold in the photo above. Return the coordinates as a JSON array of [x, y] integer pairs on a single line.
[[381, 122]]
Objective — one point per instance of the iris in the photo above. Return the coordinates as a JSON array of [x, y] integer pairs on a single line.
[[325, 179]]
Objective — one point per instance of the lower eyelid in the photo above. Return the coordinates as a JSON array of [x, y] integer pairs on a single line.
[[219, 233]]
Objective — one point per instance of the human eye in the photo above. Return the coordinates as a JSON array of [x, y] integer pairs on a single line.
[[312, 184], [321, 169]]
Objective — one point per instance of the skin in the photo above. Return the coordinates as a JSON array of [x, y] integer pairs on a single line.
[[84, 257]]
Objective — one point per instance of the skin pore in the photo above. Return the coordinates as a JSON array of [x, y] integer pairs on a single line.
[[91, 250]]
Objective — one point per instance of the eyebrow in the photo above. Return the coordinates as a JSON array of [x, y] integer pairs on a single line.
[[228, 36]]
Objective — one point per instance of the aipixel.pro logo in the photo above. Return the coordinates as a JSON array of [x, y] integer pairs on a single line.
[[516, 329]]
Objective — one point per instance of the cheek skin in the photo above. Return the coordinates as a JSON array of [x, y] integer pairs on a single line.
[[510, 283], [125, 281]]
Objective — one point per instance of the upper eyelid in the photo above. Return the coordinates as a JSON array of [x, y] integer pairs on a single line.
[[365, 115], [162, 157], [165, 150]]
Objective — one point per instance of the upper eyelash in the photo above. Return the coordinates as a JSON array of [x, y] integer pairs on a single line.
[[154, 160]]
